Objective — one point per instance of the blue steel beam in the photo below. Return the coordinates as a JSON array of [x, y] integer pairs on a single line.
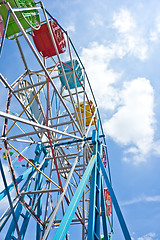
[[11, 187], [6, 216], [38, 151], [65, 223], [115, 202], [98, 202], [9, 199], [92, 204], [18, 212], [39, 207], [25, 223], [19, 209], [27, 215], [95, 192], [98, 186], [14, 204], [104, 217], [75, 141], [11, 229]]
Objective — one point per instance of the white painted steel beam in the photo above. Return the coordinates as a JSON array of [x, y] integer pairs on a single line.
[[41, 191], [64, 96], [75, 83], [91, 121], [59, 201], [39, 60], [34, 124], [61, 124], [30, 86], [26, 134]]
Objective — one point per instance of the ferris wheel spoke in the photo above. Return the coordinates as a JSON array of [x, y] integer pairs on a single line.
[[49, 117], [22, 190], [60, 200], [28, 134], [75, 83], [91, 122], [31, 123]]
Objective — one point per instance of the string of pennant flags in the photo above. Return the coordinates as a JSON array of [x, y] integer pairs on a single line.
[[20, 159]]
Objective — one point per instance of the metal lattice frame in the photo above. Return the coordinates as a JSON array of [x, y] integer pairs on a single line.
[[59, 182]]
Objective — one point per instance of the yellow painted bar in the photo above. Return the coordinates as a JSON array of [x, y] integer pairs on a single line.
[[33, 165], [26, 106]]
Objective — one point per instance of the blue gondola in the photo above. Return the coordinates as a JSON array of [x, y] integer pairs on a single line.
[[69, 74]]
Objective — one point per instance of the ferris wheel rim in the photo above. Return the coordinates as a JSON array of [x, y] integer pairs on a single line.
[[77, 122]]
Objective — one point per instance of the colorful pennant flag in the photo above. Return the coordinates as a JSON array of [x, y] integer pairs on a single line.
[[20, 158], [4, 155]]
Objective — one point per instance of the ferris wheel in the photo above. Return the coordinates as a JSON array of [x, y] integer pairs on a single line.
[[52, 136]]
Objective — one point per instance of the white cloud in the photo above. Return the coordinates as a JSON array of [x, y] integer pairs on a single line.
[[123, 21], [155, 33], [149, 236], [97, 20], [142, 199], [153, 36], [70, 28], [128, 105], [156, 147], [133, 122], [96, 59], [130, 39]]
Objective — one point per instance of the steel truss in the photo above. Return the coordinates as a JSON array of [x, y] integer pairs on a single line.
[[59, 161]]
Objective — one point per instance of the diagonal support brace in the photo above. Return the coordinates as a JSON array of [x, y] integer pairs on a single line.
[[115, 202], [65, 223]]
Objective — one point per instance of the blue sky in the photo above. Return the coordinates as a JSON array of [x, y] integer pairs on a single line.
[[119, 43]]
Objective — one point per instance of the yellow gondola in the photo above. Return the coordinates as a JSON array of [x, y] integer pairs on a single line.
[[89, 111]]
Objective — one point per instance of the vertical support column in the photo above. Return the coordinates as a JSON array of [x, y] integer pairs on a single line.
[[98, 194], [65, 223], [115, 202], [12, 227], [38, 186], [9, 199], [83, 198], [104, 218], [92, 203], [25, 223], [39, 207], [95, 192], [27, 216]]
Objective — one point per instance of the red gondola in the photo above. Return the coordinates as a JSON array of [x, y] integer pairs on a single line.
[[107, 198], [43, 40]]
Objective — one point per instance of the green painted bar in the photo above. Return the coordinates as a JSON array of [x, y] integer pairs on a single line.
[[27, 18]]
